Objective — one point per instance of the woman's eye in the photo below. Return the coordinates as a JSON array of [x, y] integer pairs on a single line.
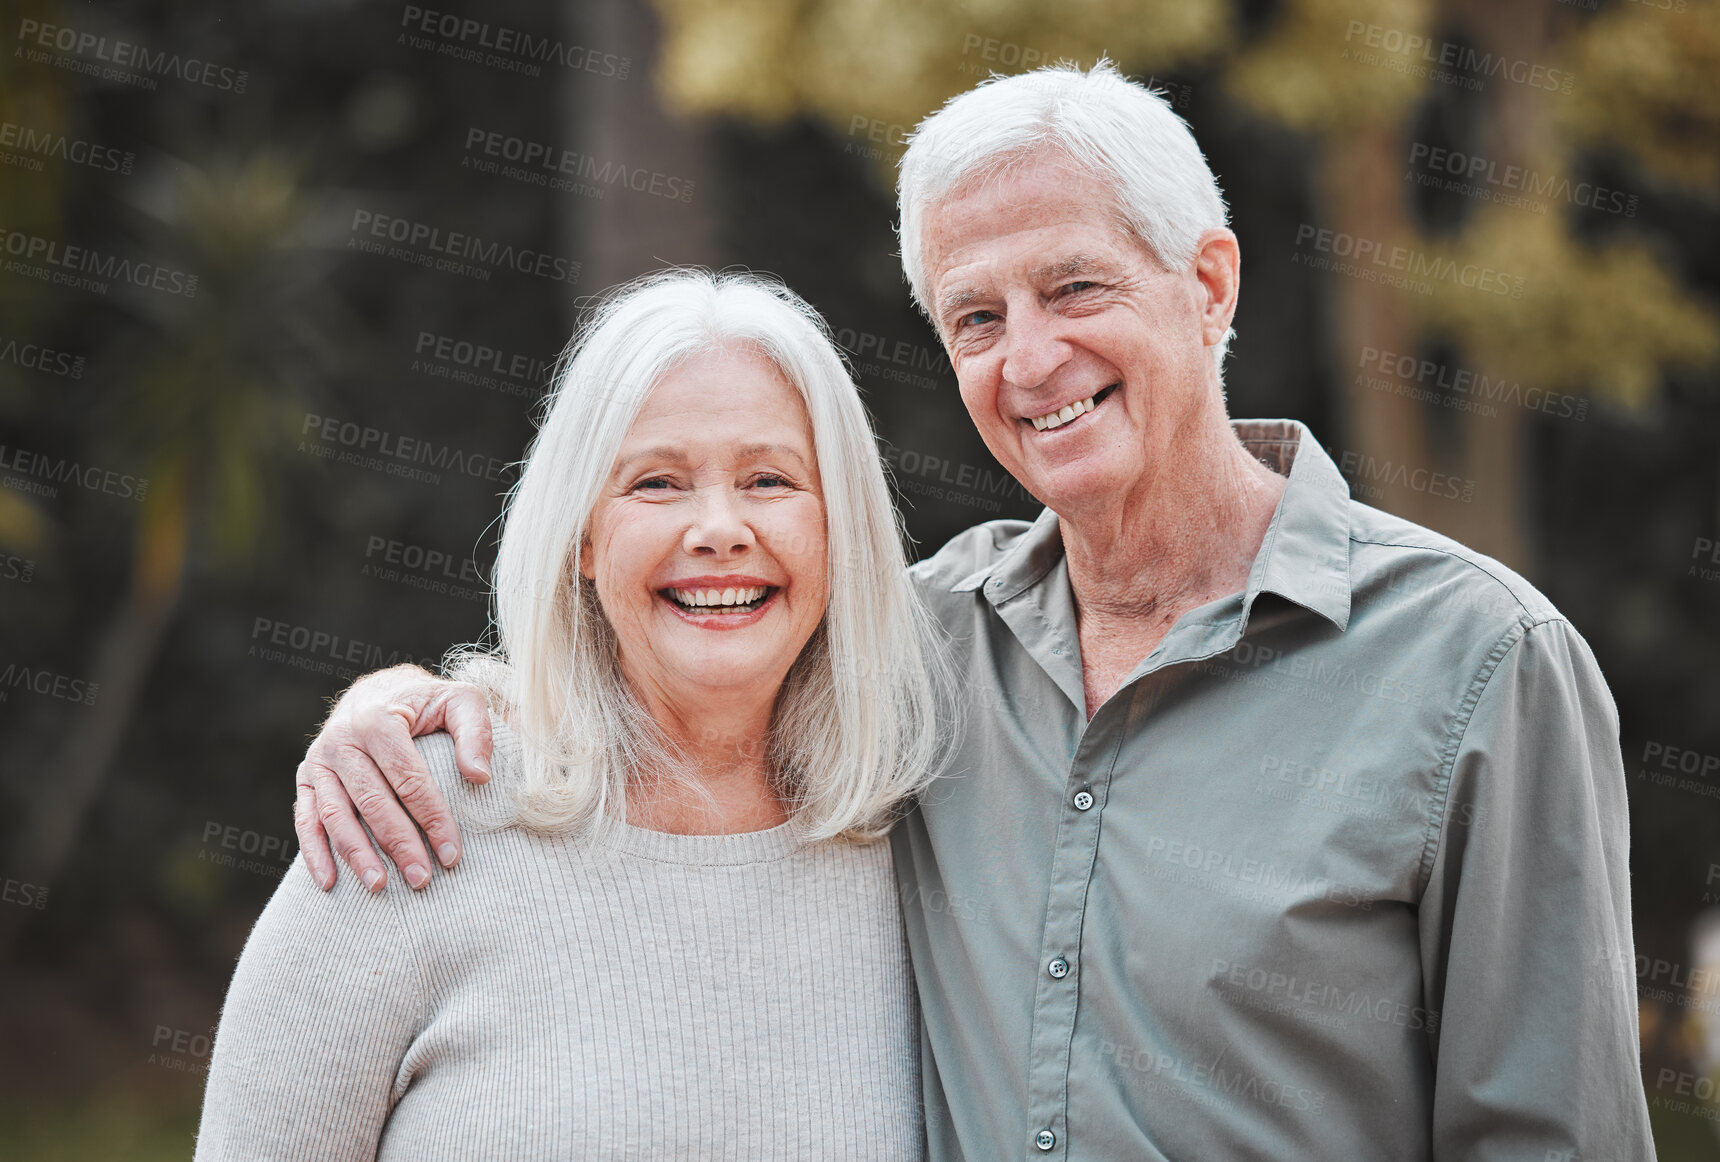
[[654, 482], [769, 480]]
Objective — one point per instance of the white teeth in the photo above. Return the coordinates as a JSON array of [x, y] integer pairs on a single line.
[[1062, 415], [698, 597]]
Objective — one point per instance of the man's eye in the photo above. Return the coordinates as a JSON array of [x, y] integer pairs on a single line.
[[1074, 287], [976, 319]]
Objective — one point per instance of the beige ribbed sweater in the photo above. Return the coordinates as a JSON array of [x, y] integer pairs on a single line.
[[655, 996]]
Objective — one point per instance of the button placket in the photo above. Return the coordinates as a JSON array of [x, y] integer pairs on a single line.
[[1056, 998]]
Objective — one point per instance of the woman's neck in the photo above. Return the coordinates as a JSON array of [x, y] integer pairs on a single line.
[[725, 786]]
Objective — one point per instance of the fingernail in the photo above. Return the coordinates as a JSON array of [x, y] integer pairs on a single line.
[[447, 853], [483, 768], [416, 875], [372, 878]]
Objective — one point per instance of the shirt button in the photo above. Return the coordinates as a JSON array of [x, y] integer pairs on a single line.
[[1045, 1139], [1058, 968], [1083, 800]]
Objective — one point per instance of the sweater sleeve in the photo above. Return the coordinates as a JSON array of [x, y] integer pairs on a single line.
[[324, 1004]]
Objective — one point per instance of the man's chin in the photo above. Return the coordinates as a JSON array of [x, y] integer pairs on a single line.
[[1074, 488]]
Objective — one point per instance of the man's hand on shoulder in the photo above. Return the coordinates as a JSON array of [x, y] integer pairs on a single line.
[[365, 757]]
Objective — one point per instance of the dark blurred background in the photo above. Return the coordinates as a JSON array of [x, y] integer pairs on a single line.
[[280, 285]]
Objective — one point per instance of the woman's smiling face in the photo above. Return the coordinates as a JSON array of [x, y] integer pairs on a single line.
[[707, 545]]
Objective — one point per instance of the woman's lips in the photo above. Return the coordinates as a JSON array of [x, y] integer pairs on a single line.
[[722, 616]]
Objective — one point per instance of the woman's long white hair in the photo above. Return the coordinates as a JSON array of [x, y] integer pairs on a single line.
[[856, 725]]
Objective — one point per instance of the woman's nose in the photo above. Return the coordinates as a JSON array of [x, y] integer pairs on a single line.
[[719, 525]]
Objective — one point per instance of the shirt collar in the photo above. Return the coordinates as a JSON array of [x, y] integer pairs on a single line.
[[1304, 557]]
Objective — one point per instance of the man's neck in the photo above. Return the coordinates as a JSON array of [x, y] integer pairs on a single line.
[[1189, 536]]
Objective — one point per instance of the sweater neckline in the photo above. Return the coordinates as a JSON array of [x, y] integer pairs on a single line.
[[773, 843]]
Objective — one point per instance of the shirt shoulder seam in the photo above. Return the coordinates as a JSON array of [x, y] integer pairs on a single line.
[[1472, 563], [1458, 732]]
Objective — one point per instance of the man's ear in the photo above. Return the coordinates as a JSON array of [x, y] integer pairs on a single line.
[[1218, 266]]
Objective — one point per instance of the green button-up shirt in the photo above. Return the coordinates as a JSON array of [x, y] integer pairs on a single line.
[[1338, 873]]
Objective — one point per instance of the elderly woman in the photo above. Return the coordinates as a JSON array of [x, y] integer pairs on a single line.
[[676, 935]]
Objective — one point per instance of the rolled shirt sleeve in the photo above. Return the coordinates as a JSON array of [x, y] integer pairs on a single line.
[[1526, 918]]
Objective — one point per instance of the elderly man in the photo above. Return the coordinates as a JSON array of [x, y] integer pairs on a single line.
[[1277, 827]]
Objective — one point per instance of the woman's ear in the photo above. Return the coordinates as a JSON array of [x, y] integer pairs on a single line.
[[583, 562]]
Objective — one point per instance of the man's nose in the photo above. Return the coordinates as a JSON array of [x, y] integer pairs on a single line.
[[719, 525], [1033, 348]]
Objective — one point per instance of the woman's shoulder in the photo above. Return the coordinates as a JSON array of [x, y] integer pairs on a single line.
[[486, 805]]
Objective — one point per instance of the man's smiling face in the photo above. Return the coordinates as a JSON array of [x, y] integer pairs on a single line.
[[1080, 358]]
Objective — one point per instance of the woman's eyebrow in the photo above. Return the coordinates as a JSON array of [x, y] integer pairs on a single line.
[[753, 451], [663, 452]]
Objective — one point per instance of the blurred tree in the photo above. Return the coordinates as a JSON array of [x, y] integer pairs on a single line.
[[1351, 75], [199, 405]]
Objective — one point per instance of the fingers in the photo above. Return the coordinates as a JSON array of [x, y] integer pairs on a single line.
[[385, 782], [384, 742], [466, 716], [313, 840], [335, 815]]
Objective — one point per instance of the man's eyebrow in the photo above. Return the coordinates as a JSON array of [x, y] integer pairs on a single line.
[[957, 299], [1065, 267]]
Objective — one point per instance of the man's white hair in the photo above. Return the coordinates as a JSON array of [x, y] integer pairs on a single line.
[[1098, 121], [856, 727]]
